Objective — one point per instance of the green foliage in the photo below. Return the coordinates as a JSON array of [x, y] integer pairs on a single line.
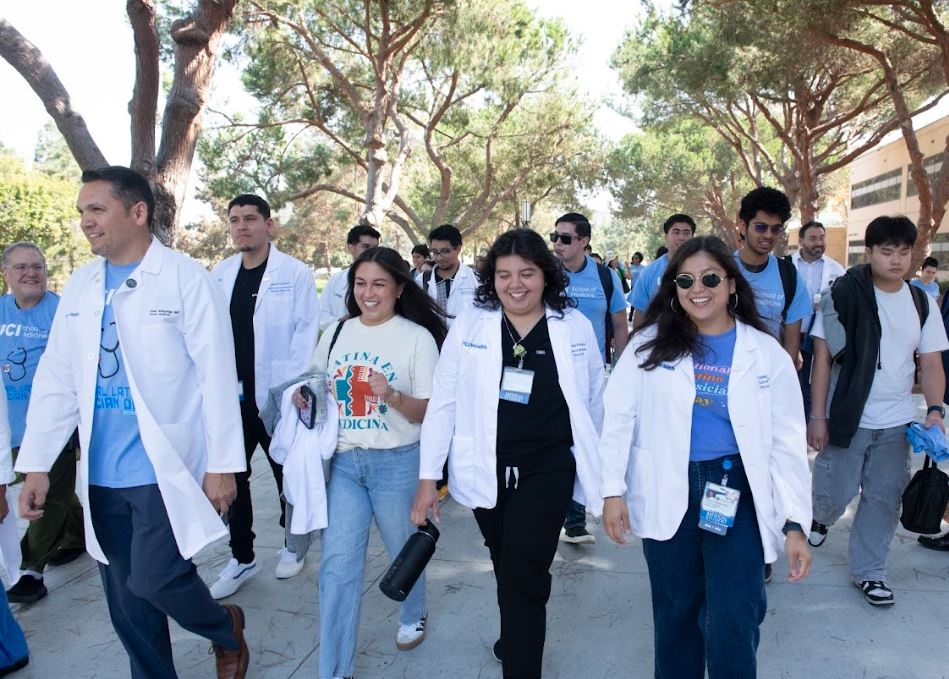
[[41, 208]]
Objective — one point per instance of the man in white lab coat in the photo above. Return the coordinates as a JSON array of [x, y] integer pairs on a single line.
[[139, 357], [360, 238], [274, 321]]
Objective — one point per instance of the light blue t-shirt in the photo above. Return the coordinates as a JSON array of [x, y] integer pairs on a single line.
[[769, 295], [587, 289], [634, 271], [23, 336], [647, 285], [712, 433], [117, 457], [932, 289]]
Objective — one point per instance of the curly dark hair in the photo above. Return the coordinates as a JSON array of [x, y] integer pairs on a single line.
[[527, 245], [676, 334], [413, 304]]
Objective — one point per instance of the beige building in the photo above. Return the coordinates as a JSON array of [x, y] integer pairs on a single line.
[[880, 185]]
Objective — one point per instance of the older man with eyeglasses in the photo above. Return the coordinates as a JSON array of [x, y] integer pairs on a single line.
[[26, 315]]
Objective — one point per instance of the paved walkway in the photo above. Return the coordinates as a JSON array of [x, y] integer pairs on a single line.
[[599, 619]]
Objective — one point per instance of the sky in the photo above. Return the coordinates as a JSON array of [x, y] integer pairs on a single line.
[[90, 47]]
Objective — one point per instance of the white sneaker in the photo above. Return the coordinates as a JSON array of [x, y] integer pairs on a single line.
[[288, 566], [410, 636], [232, 577]]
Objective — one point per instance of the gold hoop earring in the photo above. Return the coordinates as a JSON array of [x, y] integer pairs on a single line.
[[734, 307], [672, 304]]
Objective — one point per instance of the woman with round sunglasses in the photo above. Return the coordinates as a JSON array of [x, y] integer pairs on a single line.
[[703, 456], [517, 399]]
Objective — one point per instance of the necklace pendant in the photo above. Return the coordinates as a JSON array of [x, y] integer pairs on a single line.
[[519, 350]]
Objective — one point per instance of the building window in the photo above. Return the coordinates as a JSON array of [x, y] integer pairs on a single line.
[[932, 165], [879, 189]]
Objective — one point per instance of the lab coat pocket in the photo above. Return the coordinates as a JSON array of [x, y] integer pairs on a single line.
[[641, 481], [461, 459], [161, 347]]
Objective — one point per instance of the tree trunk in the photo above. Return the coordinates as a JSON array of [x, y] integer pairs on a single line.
[[30, 63]]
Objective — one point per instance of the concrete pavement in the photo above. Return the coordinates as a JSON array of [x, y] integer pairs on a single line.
[[599, 616]]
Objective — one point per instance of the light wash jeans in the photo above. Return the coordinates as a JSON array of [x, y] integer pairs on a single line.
[[876, 464], [364, 484]]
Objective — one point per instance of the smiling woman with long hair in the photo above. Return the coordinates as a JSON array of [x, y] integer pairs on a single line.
[[517, 400], [703, 456], [379, 364]]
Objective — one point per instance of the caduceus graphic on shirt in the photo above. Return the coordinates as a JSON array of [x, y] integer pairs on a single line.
[[353, 392]]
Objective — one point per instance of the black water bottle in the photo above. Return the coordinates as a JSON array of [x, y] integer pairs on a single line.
[[409, 564]]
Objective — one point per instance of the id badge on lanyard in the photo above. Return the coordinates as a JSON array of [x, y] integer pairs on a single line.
[[719, 505], [516, 385]]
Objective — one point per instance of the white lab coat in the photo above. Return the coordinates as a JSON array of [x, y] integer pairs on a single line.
[[462, 412], [462, 293], [175, 333], [286, 318], [832, 269], [302, 451], [644, 449], [333, 299]]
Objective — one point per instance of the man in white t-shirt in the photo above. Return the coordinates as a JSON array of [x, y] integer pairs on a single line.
[[862, 397]]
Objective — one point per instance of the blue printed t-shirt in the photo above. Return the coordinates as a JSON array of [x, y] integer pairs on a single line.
[[769, 295], [648, 283], [23, 336], [712, 433], [117, 457], [931, 288], [587, 289]]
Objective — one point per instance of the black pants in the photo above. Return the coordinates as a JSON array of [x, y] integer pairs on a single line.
[[147, 580], [522, 531], [241, 514]]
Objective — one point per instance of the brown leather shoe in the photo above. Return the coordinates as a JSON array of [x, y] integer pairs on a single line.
[[233, 664]]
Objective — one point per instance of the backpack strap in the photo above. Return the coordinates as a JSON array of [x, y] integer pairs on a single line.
[[789, 282], [426, 277], [336, 332], [922, 304], [606, 281]]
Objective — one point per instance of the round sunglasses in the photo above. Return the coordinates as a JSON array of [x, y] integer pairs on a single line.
[[709, 280]]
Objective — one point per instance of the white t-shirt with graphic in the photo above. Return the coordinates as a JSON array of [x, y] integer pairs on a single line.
[[402, 350], [890, 402]]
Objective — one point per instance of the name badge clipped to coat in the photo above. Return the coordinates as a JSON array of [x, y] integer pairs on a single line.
[[516, 385], [719, 505]]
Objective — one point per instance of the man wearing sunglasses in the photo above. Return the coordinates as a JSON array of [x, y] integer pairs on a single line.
[[599, 297], [26, 316], [678, 228], [780, 292]]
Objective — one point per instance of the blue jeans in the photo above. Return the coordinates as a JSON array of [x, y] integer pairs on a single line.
[[364, 484], [12, 642], [708, 597]]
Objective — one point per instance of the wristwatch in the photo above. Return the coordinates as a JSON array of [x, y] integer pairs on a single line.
[[937, 409]]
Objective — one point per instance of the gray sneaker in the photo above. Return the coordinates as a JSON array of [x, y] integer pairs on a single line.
[[577, 535], [817, 535]]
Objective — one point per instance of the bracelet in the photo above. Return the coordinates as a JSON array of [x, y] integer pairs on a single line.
[[399, 403]]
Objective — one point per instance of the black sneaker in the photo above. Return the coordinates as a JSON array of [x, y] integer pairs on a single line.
[[496, 650], [817, 535], [62, 556], [577, 535], [875, 591], [27, 590], [768, 574]]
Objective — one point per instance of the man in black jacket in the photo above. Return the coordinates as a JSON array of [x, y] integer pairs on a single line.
[[861, 436]]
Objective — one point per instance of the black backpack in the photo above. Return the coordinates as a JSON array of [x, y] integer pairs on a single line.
[[924, 499]]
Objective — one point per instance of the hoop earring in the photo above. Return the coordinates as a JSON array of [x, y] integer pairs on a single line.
[[734, 307], [672, 304]]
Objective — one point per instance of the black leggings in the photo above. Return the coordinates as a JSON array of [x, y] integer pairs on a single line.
[[522, 531]]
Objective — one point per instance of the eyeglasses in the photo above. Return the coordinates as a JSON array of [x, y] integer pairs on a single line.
[[444, 252], [709, 280], [23, 268], [565, 238], [761, 227]]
